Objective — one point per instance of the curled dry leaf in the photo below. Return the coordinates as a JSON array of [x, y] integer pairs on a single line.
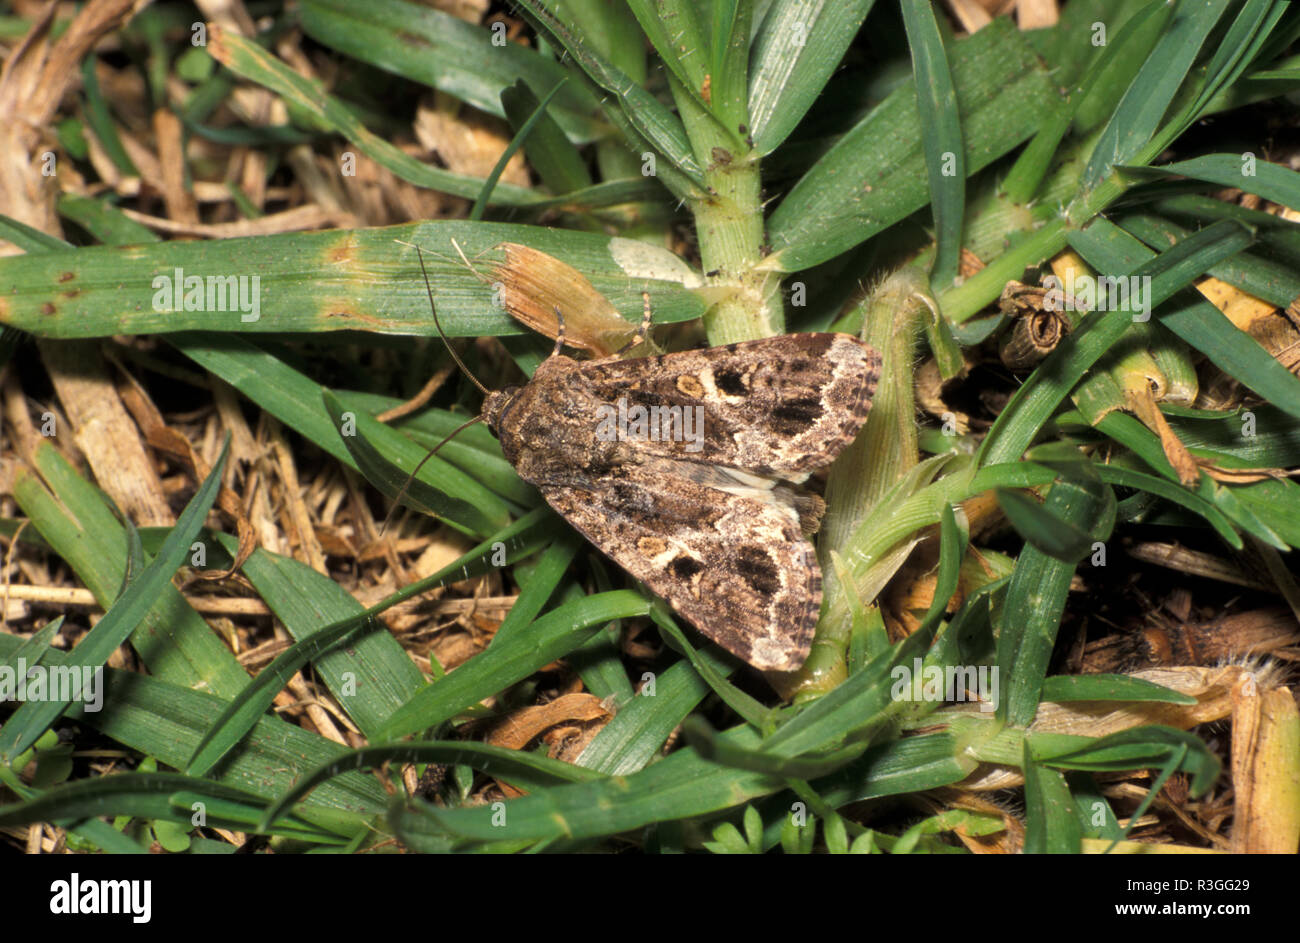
[[533, 284], [1265, 769], [1244, 476], [567, 724], [929, 396], [1175, 556], [163, 438], [1141, 401]]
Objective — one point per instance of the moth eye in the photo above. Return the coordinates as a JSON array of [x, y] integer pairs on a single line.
[[730, 382], [684, 568]]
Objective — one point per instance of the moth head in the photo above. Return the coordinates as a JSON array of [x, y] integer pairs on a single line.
[[495, 405]]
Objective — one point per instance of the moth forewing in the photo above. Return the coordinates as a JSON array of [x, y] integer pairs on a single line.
[[707, 520]]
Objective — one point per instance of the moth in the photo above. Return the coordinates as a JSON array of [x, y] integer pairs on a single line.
[[684, 469]]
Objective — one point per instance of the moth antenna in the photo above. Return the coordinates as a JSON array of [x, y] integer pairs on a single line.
[[438, 324], [468, 264], [459, 259], [559, 331], [642, 330], [397, 501]]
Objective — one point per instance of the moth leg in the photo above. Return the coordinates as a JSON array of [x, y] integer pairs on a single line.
[[639, 337], [559, 332]]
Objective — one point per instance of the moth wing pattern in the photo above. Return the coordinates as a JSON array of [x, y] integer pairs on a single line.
[[777, 407], [737, 568], [706, 521]]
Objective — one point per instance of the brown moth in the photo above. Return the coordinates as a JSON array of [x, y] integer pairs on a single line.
[[683, 469], [705, 515]]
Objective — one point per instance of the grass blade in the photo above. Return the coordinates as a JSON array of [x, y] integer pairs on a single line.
[[941, 137], [442, 51], [798, 47], [34, 717], [552, 636]]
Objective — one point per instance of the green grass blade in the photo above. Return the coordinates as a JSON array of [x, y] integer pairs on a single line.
[[798, 47], [166, 721], [146, 796], [953, 540], [1203, 326], [1109, 687], [1051, 820], [1253, 274], [387, 458], [542, 579], [875, 175], [1097, 333], [678, 786], [557, 162], [1140, 112], [1246, 35], [675, 30], [481, 203], [32, 719], [474, 450], [729, 68], [1257, 176], [1139, 747], [33, 649], [102, 122], [29, 239], [638, 731], [250, 61], [1127, 478], [442, 51], [297, 401], [749, 709], [552, 636], [1036, 598], [719, 750], [326, 281], [241, 713], [941, 136], [104, 221], [525, 769], [1042, 529], [173, 640], [651, 119], [373, 676]]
